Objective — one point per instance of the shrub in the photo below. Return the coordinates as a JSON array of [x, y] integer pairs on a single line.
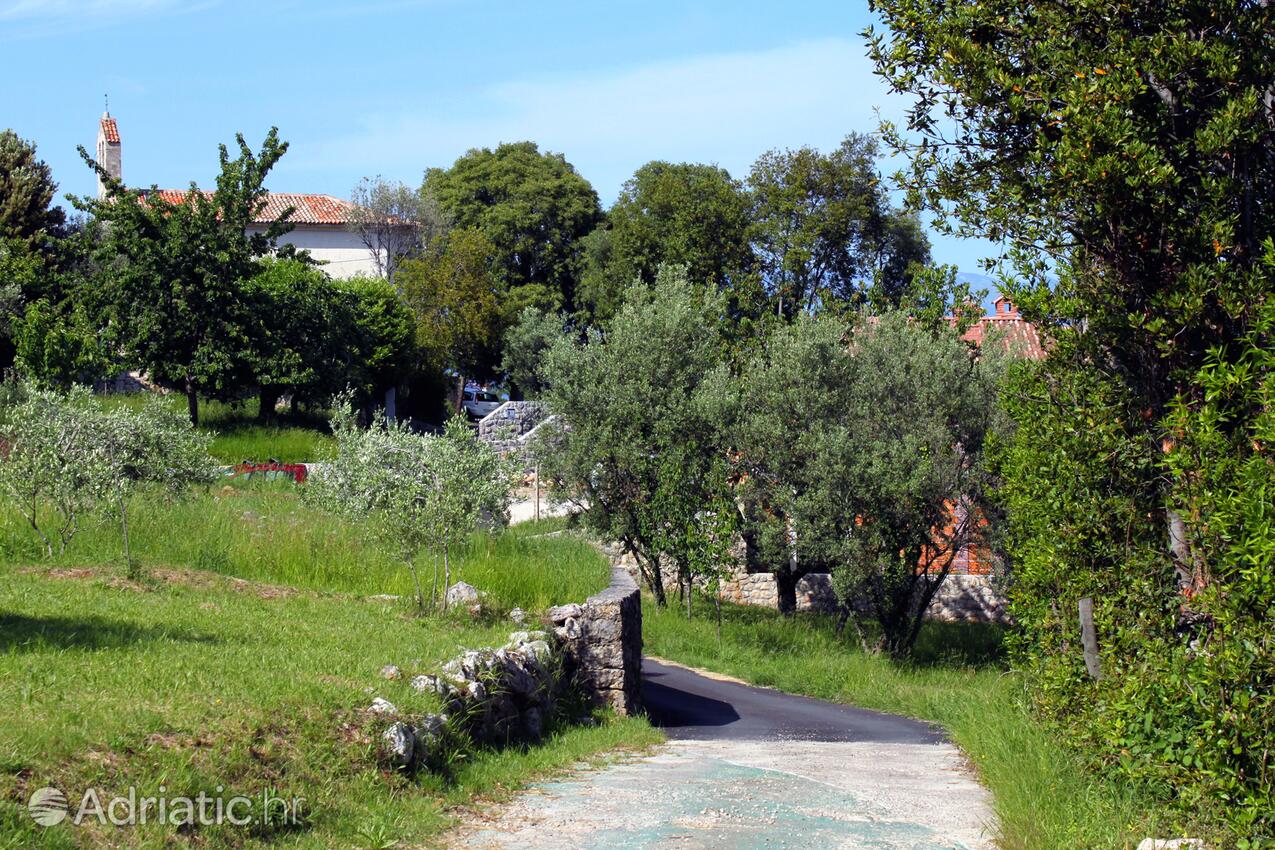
[[412, 489]]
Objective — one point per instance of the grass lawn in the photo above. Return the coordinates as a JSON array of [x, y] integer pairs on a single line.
[[238, 437], [192, 679], [1044, 798]]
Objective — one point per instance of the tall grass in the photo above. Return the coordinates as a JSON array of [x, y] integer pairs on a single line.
[[1044, 797], [262, 531], [238, 437]]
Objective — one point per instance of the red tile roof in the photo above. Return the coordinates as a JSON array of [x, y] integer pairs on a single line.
[[1017, 334], [308, 209], [109, 130]]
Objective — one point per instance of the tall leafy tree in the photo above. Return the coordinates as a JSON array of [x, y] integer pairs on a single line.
[[679, 213], [27, 217], [824, 230], [1130, 151], [171, 273], [533, 207], [381, 336], [303, 339], [455, 294], [641, 448]]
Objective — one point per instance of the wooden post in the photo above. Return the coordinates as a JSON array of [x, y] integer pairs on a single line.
[[1089, 637]]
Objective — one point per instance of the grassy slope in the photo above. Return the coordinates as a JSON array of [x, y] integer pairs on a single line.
[[193, 680], [262, 531], [1043, 797]]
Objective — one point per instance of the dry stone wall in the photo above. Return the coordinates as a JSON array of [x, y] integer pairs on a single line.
[[602, 640], [961, 599]]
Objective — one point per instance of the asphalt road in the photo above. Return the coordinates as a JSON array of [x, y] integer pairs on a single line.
[[690, 706], [750, 769]]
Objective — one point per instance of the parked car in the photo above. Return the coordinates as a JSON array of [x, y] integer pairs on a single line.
[[478, 403]]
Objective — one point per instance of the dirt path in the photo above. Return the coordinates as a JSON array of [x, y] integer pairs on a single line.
[[751, 768]]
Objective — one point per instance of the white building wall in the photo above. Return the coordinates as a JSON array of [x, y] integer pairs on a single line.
[[340, 252]]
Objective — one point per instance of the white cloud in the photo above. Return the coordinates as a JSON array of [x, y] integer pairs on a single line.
[[724, 108]]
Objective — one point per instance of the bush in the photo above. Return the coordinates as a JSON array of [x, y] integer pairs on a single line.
[[412, 489]]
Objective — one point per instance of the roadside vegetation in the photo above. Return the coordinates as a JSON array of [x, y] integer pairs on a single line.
[[166, 632], [1043, 795], [194, 682]]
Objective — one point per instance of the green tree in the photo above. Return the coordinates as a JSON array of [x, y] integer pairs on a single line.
[[170, 275], [678, 213], [533, 207], [1134, 155], [58, 348], [382, 335], [854, 447], [455, 294], [526, 344], [641, 444], [27, 217], [824, 230], [67, 454], [411, 490], [303, 340]]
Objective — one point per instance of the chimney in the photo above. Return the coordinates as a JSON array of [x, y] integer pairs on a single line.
[[108, 151]]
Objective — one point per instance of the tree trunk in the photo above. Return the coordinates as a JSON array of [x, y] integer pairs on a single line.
[[433, 590], [447, 573], [786, 589], [192, 401], [416, 582], [128, 552], [458, 396], [267, 398]]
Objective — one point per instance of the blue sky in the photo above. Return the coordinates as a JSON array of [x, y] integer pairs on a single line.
[[396, 86]]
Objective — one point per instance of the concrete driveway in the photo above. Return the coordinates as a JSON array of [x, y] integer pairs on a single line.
[[749, 767]]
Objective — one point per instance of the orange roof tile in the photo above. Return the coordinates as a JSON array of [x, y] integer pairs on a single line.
[[308, 209], [1018, 335], [109, 130]]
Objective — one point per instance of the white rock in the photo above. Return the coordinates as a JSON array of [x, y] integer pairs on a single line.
[[462, 593], [562, 612], [1170, 844], [380, 705], [569, 630], [400, 745], [537, 649], [391, 671], [518, 615]]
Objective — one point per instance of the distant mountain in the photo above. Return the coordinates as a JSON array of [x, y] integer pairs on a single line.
[[980, 282]]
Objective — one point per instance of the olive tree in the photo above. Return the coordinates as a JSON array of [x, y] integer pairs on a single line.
[[412, 490], [637, 442], [860, 453], [63, 452]]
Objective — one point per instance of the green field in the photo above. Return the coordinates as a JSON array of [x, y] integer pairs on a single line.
[[1044, 797], [244, 661], [238, 437]]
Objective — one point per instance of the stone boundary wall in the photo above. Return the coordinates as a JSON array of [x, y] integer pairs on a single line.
[[751, 589], [961, 599], [603, 641]]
